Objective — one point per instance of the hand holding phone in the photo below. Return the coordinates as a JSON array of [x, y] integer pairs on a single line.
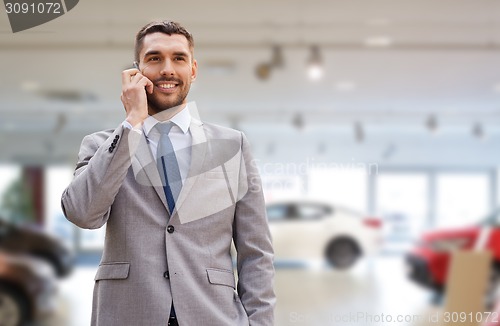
[[133, 96]]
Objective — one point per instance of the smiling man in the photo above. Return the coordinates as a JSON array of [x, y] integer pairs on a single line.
[[174, 193]]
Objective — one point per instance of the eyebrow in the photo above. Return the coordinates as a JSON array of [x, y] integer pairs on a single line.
[[151, 52], [156, 52], [180, 53]]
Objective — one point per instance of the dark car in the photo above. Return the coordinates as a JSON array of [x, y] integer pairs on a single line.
[[29, 241], [27, 289]]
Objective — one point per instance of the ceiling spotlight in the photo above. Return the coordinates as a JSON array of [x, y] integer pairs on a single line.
[[432, 124], [60, 123], [277, 59], [298, 121], [315, 64], [263, 71], [359, 133], [478, 131]]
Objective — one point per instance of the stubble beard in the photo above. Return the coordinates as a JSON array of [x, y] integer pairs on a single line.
[[156, 105]]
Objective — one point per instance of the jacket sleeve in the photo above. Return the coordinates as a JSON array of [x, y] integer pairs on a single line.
[[253, 244], [103, 162]]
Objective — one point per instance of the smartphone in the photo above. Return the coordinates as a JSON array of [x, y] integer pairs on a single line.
[[136, 65]]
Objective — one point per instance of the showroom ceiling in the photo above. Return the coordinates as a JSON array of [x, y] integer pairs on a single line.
[[403, 66]]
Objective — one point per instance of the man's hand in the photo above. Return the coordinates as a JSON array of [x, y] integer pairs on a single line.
[[134, 87]]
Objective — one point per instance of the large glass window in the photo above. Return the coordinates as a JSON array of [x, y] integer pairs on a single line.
[[402, 202], [8, 174], [278, 187], [462, 198], [346, 187]]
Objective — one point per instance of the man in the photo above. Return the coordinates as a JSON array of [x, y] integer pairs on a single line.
[[173, 201]]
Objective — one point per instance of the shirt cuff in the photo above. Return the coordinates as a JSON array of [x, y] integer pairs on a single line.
[[127, 125]]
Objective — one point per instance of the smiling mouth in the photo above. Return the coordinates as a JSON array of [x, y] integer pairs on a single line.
[[166, 85]]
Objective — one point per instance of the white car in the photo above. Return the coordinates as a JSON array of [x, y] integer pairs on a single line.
[[307, 230]]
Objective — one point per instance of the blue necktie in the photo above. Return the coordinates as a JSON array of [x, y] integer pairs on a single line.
[[168, 167]]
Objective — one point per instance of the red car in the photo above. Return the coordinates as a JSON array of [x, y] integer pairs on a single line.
[[428, 262]]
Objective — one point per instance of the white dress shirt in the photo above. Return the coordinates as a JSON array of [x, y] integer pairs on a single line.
[[180, 136]]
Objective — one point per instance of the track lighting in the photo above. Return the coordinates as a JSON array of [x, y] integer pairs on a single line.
[[277, 60], [432, 124], [315, 64], [298, 121], [478, 131], [359, 133]]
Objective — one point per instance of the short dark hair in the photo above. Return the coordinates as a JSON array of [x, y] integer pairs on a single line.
[[167, 27]]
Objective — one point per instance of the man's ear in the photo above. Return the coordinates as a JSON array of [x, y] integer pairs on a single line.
[[194, 70]]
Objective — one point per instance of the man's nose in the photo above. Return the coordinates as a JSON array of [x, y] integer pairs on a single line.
[[167, 68]]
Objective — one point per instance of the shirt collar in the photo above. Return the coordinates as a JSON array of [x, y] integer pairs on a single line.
[[182, 119]]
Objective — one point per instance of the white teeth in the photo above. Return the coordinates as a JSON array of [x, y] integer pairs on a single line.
[[166, 85]]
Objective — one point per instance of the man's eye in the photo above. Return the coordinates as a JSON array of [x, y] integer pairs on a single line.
[[154, 59], [179, 59]]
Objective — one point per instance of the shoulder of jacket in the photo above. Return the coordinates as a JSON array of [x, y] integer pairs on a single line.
[[219, 131], [100, 136]]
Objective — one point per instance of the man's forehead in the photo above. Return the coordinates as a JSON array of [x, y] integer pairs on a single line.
[[164, 42]]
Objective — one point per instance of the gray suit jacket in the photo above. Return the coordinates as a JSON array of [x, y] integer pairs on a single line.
[[151, 257]]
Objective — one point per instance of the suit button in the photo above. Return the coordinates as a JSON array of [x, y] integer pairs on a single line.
[[117, 137], [166, 275], [111, 149], [170, 229]]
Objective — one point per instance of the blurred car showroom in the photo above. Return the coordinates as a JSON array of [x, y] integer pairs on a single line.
[[375, 126]]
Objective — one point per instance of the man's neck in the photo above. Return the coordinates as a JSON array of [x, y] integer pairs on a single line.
[[168, 113]]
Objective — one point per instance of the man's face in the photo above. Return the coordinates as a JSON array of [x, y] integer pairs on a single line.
[[167, 61]]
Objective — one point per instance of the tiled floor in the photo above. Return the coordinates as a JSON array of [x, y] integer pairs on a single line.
[[306, 296]]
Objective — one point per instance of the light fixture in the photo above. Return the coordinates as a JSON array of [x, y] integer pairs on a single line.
[[60, 123], [359, 133], [298, 121], [277, 60], [315, 64], [263, 71], [478, 131], [432, 124]]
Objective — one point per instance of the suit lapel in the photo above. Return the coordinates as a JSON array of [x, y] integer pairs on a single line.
[[145, 170], [198, 152]]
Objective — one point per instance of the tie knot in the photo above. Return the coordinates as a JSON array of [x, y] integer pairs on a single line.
[[164, 127]]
